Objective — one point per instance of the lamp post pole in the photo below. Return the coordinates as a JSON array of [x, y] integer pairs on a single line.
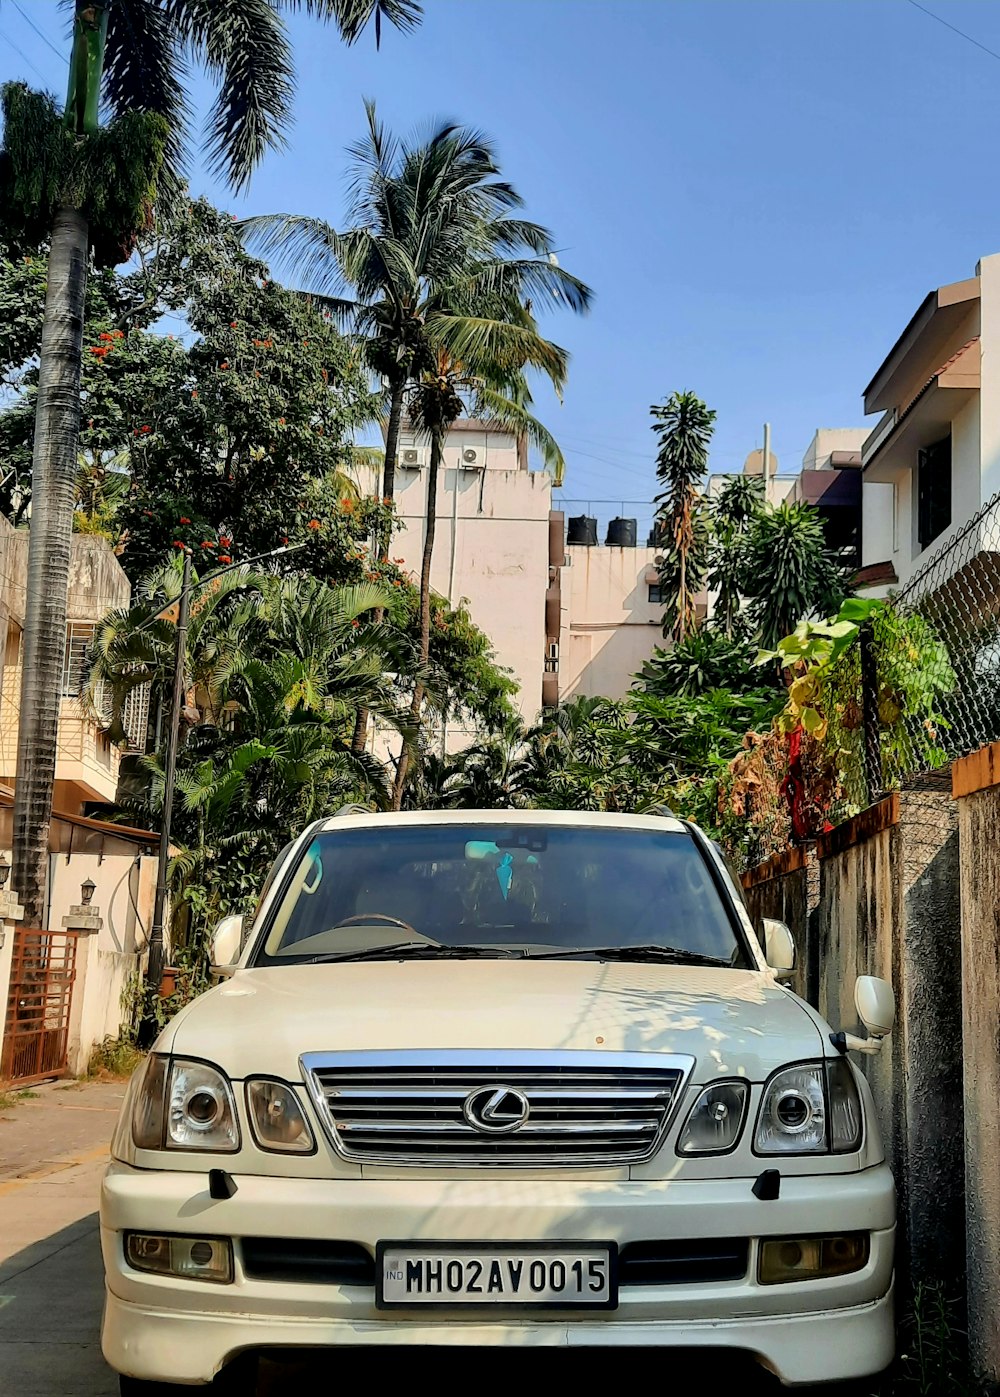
[[154, 972], [154, 969]]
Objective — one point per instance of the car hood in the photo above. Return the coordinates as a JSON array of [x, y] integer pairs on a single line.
[[733, 1022]]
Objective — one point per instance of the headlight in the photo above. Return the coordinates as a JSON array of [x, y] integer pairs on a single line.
[[185, 1105], [810, 1109], [716, 1119], [276, 1117]]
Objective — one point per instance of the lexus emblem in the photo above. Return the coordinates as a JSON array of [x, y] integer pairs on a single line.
[[496, 1110]]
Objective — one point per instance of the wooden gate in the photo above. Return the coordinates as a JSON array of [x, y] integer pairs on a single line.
[[42, 972]]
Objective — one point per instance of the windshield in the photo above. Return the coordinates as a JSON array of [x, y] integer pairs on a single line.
[[516, 888]]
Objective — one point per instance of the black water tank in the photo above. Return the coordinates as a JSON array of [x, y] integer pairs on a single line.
[[621, 533], [582, 529], [655, 539]]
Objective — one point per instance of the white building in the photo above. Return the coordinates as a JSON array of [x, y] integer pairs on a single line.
[[936, 447]]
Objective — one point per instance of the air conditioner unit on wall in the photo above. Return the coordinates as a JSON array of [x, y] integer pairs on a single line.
[[470, 458], [410, 456]]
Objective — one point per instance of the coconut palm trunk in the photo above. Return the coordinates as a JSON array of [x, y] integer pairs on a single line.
[[397, 394], [54, 471], [433, 471]]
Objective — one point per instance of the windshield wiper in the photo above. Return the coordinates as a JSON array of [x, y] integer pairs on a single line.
[[414, 950], [665, 955]]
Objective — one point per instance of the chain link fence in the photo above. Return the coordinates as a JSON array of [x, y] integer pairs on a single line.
[[918, 687]]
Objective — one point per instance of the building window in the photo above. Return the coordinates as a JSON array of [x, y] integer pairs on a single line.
[[656, 597], [76, 660], [933, 491]]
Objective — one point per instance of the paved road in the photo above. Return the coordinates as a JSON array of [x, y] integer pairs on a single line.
[[52, 1152]]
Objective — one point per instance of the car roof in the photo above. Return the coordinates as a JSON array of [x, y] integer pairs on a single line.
[[578, 819]]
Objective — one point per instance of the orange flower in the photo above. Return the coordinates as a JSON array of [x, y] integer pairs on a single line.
[[178, 543], [144, 430], [105, 335], [313, 524], [224, 558], [224, 366], [225, 542], [184, 519], [194, 392], [281, 421], [232, 324], [355, 624], [99, 350]]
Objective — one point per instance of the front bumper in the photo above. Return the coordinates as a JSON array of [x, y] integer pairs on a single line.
[[185, 1331]]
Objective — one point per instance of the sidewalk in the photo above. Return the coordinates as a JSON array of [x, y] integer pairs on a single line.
[[52, 1151]]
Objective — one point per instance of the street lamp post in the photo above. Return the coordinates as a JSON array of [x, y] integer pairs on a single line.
[[154, 972], [154, 969]]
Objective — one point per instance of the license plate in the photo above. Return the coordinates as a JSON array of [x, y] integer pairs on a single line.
[[566, 1275]]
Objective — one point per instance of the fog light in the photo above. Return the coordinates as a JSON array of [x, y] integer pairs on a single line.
[[190, 1258], [786, 1259]]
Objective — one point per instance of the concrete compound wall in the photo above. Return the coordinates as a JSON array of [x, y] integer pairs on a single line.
[[976, 787], [884, 900]]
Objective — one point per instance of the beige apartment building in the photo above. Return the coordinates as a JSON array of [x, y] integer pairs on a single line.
[[565, 617]]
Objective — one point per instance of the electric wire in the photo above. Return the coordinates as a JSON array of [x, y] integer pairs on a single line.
[[44, 37], [22, 55], [954, 29]]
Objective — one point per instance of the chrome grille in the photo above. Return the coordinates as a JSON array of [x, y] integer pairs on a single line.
[[409, 1108]]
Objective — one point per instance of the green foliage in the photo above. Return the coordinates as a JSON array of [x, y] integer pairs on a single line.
[[787, 571], [704, 660], [683, 427], [115, 1058], [913, 674], [733, 512], [933, 1359], [109, 177], [239, 431]]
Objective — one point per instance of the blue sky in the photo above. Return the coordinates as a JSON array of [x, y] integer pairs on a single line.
[[759, 191]]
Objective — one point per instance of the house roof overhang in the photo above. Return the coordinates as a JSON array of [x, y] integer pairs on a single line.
[[925, 338]]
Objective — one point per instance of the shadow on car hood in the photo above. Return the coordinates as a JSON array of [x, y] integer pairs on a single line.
[[733, 1022]]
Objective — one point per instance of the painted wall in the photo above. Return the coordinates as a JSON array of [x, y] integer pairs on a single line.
[[124, 877], [490, 549], [609, 626]]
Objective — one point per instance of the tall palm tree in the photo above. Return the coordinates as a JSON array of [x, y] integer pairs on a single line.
[[420, 213], [132, 54], [683, 426]]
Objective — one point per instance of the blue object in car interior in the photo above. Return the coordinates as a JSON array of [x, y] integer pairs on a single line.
[[505, 874]]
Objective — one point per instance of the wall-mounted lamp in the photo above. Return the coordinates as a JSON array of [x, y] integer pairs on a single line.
[[87, 891]]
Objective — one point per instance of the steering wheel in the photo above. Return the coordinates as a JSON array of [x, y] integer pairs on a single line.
[[366, 919]]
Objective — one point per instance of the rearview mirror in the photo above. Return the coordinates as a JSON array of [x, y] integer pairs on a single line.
[[226, 944], [876, 1005], [779, 948]]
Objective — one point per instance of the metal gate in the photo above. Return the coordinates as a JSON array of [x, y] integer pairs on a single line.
[[42, 972]]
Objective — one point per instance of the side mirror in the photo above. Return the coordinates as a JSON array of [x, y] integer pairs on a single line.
[[876, 1005], [779, 948], [226, 943]]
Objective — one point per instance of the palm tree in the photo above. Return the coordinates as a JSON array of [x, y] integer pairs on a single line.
[[790, 572], [132, 53], [684, 429], [734, 510], [420, 214]]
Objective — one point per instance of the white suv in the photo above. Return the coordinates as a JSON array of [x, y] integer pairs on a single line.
[[500, 1078]]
